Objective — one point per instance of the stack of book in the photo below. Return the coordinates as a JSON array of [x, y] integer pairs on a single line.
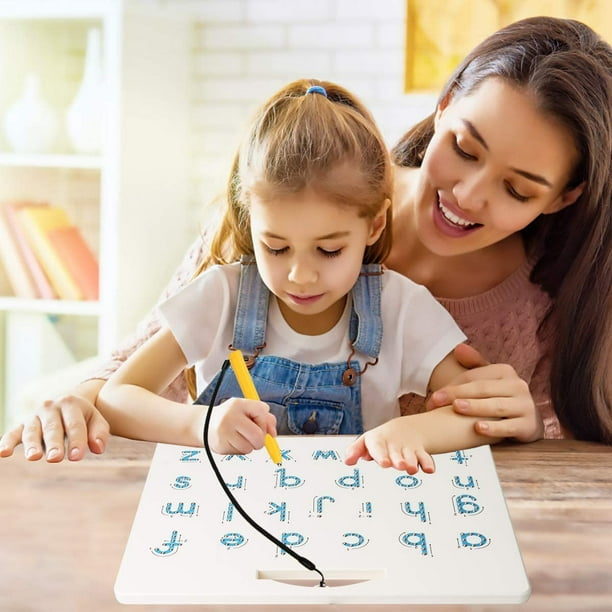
[[44, 254]]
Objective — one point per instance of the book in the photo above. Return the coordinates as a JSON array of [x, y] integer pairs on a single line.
[[78, 259], [36, 272], [6, 289], [37, 223], [16, 272]]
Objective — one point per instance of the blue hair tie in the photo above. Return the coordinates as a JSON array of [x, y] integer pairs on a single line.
[[316, 89]]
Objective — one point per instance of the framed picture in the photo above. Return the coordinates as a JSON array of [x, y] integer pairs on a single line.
[[439, 33]]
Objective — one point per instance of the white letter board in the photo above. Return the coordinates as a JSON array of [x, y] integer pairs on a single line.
[[378, 535]]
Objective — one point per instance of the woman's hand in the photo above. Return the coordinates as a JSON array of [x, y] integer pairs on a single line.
[[494, 393], [239, 426], [62, 428]]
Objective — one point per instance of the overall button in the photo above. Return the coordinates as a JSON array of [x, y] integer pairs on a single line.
[[310, 426], [349, 376]]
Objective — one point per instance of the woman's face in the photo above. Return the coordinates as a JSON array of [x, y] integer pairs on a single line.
[[493, 165]]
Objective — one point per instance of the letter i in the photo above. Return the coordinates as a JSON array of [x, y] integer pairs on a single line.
[[366, 510]]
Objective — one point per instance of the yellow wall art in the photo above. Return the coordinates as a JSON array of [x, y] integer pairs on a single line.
[[439, 33]]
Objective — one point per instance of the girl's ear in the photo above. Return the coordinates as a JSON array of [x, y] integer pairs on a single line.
[[379, 223], [565, 199]]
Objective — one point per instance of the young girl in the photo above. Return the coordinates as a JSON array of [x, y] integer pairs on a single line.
[[333, 339]]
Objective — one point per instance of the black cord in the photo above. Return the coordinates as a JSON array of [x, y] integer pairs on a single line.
[[307, 563]]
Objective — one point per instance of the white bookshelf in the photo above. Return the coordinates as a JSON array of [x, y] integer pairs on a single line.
[[130, 200]]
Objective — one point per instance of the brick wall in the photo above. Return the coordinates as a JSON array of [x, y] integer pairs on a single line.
[[244, 50]]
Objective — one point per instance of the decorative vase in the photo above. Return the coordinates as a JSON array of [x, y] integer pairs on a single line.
[[85, 115], [30, 123]]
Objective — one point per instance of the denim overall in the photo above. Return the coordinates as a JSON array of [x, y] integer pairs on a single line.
[[305, 399]]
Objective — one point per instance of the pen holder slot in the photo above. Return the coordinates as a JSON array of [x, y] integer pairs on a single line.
[[333, 578]]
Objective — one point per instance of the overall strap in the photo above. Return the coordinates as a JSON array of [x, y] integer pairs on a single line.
[[251, 309], [366, 326]]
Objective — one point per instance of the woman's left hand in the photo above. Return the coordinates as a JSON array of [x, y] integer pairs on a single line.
[[491, 391]]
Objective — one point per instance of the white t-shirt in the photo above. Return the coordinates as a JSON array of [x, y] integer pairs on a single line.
[[417, 334]]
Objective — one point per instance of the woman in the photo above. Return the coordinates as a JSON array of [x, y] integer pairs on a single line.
[[539, 68], [502, 209]]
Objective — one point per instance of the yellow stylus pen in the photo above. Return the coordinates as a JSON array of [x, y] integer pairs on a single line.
[[250, 392]]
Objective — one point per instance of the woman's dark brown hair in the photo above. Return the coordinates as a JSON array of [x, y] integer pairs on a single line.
[[567, 68]]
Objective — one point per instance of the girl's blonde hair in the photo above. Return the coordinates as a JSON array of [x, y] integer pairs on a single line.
[[325, 141]]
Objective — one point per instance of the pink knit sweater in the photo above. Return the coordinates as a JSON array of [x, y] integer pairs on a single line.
[[501, 323]]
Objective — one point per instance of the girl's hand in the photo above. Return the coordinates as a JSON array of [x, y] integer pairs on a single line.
[[396, 443], [239, 426], [62, 428], [491, 392]]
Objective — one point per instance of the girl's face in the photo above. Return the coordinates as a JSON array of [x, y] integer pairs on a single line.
[[493, 165], [309, 252]]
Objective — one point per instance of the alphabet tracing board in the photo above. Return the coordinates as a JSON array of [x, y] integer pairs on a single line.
[[378, 535]]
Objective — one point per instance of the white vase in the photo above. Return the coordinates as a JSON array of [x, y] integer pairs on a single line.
[[31, 123], [85, 115]]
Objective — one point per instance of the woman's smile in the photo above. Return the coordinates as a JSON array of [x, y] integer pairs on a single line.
[[450, 222]]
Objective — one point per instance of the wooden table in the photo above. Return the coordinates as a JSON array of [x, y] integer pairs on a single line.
[[63, 528]]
